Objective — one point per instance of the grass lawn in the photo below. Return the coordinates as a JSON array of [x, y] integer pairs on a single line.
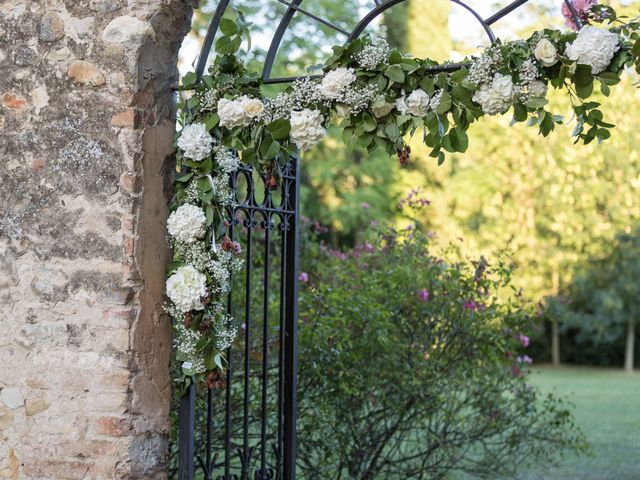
[[607, 409]]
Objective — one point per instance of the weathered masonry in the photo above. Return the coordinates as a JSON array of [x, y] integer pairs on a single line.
[[86, 126]]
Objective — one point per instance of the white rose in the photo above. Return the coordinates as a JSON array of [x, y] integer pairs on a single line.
[[595, 47], [335, 81], [186, 288], [537, 88], [187, 223], [252, 107], [401, 105], [231, 113], [417, 103], [195, 142], [306, 128], [546, 53], [495, 97]]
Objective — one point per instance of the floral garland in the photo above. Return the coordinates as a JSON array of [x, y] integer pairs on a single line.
[[378, 96]]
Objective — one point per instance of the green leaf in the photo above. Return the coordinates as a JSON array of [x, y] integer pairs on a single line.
[[445, 103], [185, 178], [394, 73], [392, 131], [228, 45], [369, 123], [519, 112], [209, 360], [228, 27], [211, 121], [459, 139], [537, 102], [189, 79], [428, 85], [269, 148], [209, 214], [584, 91], [279, 129]]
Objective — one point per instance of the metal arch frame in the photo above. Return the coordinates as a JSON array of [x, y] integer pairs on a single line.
[[294, 6]]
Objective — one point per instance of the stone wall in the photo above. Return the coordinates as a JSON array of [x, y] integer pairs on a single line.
[[86, 127]]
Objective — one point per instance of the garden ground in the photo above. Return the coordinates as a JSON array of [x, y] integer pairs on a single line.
[[607, 409]]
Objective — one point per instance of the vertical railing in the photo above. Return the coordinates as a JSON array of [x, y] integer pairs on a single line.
[[247, 429], [290, 360], [186, 433]]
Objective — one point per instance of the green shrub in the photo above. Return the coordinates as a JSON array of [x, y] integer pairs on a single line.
[[411, 367]]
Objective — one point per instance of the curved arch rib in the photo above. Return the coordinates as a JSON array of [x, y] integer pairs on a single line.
[[373, 14], [275, 42], [208, 39], [293, 6]]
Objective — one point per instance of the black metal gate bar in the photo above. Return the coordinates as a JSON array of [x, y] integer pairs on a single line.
[[186, 434], [209, 415], [246, 451], [265, 344], [292, 195]]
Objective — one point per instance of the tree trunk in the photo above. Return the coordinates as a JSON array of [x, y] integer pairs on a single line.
[[631, 341], [555, 333], [555, 344]]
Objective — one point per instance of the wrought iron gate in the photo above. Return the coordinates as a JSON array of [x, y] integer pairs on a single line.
[[244, 425]]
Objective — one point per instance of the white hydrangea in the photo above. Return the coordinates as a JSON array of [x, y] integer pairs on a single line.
[[336, 81], [195, 142], [595, 47], [416, 104], [306, 128], [187, 223], [231, 113], [239, 112], [186, 288], [495, 97]]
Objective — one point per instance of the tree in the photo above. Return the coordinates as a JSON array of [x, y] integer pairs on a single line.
[[550, 204], [602, 301]]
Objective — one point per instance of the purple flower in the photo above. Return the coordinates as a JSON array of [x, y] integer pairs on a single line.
[[523, 339], [424, 295], [304, 277], [319, 228], [470, 305], [525, 359], [365, 206]]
